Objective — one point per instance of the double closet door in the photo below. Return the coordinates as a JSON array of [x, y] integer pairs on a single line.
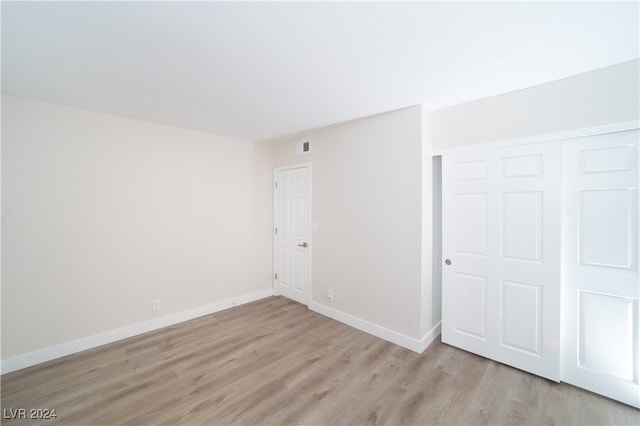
[[540, 250]]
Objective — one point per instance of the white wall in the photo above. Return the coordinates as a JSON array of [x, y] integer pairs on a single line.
[[102, 214], [367, 201], [601, 97]]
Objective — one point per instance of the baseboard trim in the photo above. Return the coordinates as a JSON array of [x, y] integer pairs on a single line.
[[429, 338], [413, 344], [47, 354]]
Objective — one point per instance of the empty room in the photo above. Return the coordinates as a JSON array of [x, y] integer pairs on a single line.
[[283, 213]]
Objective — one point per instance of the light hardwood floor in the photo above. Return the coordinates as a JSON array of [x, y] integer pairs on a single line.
[[274, 362]]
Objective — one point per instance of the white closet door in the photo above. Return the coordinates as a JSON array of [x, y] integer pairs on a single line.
[[501, 245], [601, 285]]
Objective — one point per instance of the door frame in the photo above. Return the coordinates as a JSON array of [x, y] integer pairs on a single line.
[[276, 171]]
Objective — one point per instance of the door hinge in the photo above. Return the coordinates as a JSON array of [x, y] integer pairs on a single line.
[[276, 184], [276, 275], [276, 231]]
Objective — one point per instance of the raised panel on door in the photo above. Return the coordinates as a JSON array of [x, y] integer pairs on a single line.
[[299, 271], [521, 229], [602, 322], [501, 235], [520, 166], [470, 305], [469, 170], [521, 320], [605, 218], [604, 318], [286, 210], [470, 224], [284, 269]]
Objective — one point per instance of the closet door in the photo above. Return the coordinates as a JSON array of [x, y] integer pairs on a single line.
[[501, 249], [601, 284]]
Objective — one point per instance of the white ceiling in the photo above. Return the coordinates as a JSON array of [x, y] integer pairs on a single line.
[[262, 70]]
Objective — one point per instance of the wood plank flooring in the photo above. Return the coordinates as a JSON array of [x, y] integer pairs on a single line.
[[274, 362]]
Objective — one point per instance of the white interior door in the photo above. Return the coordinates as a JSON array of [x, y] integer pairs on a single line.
[[292, 233], [501, 245], [601, 320]]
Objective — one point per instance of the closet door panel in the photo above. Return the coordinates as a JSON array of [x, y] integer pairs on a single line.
[[602, 286], [501, 238]]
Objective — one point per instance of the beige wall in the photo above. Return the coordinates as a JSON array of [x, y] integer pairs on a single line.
[[432, 277], [601, 97], [367, 201], [102, 214], [430, 253]]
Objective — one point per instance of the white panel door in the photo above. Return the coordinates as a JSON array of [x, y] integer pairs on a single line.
[[600, 263], [501, 245], [292, 233]]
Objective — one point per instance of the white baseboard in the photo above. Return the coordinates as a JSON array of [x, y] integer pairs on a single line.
[[68, 348], [416, 345], [428, 338]]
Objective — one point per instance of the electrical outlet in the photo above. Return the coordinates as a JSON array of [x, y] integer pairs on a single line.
[[155, 305], [330, 294]]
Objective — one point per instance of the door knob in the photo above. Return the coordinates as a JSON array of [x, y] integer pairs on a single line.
[[447, 262], [302, 245]]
